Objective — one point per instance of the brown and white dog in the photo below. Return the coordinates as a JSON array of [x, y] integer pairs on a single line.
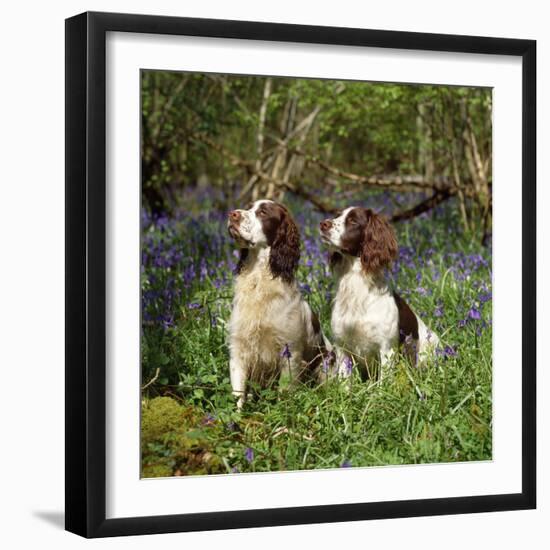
[[368, 319], [271, 326]]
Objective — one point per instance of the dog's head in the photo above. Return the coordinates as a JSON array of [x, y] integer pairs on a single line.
[[267, 224], [361, 233]]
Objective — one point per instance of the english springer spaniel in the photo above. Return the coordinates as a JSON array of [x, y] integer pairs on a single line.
[[369, 320], [271, 327]]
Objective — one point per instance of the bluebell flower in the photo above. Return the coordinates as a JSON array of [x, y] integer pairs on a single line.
[[486, 297], [209, 419], [474, 314], [447, 351], [249, 454], [286, 352], [305, 288], [348, 364], [326, 364]]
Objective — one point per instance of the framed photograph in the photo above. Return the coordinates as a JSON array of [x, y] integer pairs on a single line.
[[300, 281]]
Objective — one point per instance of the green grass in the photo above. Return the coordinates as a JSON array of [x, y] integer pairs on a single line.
[[438, 413]]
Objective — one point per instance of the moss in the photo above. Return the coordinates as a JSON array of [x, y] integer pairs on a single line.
[[161, 416], [176, 441], [156, 470]]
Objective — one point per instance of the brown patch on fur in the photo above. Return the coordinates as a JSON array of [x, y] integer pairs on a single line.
[[408, 323], [371, 237], [242, 259], [354, 233], [334, 258], [408, 329], [283, 238], [315, 323]]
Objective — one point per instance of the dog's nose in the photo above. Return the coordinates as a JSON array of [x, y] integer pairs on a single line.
[[325, 225], [235, 216]]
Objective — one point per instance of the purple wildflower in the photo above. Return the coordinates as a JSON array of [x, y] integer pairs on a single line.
[[346, 464], [203, 270], [485, 297], [447, 351], [474, 314], [326, 364], [249, 454], [286, 352], [209, 419], [193, 305], [305, 288], [348, 365], [167, 323]]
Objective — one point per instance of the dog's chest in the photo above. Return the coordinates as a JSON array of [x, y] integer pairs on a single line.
[[364, 317], [263, 306], [255, 292]]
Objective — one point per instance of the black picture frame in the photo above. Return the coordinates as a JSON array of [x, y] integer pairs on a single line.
[[86, 274]]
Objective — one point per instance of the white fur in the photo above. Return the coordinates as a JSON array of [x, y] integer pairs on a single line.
[[334, 237], [250, 227]]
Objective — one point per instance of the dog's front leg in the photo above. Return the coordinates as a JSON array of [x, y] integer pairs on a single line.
[[238, 375]]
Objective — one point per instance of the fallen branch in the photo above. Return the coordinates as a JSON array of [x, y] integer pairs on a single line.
[[319, 205], [251, 168], [399, 183], [414, 182], [153, 380], [433, 201]]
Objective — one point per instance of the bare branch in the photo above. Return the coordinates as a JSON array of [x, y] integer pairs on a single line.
[[438, 196], [152, 380], [415, 182], [433, 201]]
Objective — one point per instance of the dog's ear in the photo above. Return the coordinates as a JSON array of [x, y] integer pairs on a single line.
[[285, 248], [242, 259], [379, 246]]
